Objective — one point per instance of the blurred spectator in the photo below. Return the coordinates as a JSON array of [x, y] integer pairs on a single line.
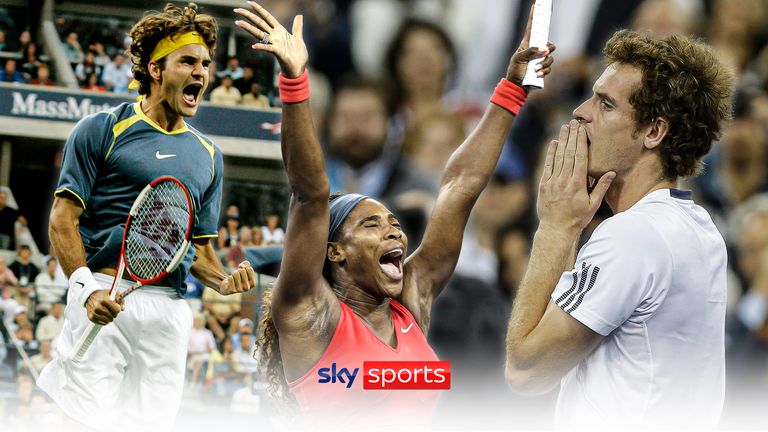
[[73, 50], [3, 42], [431, 140], [232, 210], [747, 347], [246, 237], [229, 234], [244, 327], [244, 83], [222, 369], [23, 328], [221, 309], [258, 238], [232, 70], [8, 280], [364, 157], [117, 75], [44, 357], [199, 347], [24, 270], [87, 67], [271, 233], [226, 94], [244, 353], [8, 304], [8, 218], [25, 38], [254, 98], [100, 56], [51, 285], [30, 61], [420, 59], [740, 160], [662, 18], [753, 266], [735, 32], [43, 76], [10, 73], [92, 83], [50, 326], [513, 249]]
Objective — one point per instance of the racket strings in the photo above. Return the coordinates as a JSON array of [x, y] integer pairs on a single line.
[[157, 231]]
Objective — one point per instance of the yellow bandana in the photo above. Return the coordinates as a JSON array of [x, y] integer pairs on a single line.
[[171, 44]]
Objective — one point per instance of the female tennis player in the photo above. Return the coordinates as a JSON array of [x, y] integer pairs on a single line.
[[346, 292]]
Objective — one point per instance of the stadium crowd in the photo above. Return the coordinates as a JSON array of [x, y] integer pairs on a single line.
[[396, 85]]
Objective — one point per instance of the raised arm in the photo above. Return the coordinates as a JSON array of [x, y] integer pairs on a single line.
[[300, 280], [465, 176]]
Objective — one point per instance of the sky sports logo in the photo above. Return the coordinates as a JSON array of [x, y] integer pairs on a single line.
[[391, 375]]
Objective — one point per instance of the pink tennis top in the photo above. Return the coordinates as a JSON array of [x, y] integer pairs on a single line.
[[333, 404]]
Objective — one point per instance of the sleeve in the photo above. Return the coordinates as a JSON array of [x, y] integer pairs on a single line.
[[84, 152], [623, 272], [208, 214]]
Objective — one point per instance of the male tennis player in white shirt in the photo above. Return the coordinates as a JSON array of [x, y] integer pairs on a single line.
[[633, 327]]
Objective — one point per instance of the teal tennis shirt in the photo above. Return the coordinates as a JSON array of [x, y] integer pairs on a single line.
[[111, 156]]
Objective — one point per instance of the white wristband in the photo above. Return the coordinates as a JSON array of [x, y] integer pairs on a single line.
[[84, 284]]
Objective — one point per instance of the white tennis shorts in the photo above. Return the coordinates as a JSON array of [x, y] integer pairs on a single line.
[[132, 376]]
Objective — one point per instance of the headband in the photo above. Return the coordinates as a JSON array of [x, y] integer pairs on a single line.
[[170, 44], [340, 209]]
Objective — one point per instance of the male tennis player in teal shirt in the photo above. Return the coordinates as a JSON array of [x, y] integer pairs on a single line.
[[133, 374]]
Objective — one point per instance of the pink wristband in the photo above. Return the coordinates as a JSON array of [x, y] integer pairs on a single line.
[[509, 96], [294, 90]]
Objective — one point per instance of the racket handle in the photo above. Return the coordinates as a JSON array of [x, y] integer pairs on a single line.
[[85, 342]]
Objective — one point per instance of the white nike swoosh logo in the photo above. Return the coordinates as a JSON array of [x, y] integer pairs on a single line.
[[406, 329], [162, 156]]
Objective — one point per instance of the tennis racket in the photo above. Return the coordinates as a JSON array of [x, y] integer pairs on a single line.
[[155, 241]]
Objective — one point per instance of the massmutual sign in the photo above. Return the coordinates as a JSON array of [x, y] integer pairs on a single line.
[[63, 105], [30, 104]]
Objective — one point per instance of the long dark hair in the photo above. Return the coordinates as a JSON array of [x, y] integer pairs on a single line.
[[268, 354]]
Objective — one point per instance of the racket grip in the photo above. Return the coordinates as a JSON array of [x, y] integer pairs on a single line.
[[85, 342]]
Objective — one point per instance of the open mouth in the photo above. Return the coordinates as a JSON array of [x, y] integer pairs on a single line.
[[192, 93], [391, 263]]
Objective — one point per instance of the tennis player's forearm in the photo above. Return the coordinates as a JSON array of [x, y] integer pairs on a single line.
[[207, 268], [473, 163], [551, 250], [302, 154], [66, 242]]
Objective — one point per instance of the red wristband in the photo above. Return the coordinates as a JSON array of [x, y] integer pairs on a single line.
[[294, 90], [509, 96]]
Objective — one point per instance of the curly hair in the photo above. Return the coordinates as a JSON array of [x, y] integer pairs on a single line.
[[682, 82], [158, 25], [269, 357]]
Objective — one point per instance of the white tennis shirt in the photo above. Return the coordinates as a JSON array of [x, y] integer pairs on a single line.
[[652, 280]]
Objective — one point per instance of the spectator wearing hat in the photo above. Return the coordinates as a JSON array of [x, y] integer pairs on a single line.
[[244, 326]]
